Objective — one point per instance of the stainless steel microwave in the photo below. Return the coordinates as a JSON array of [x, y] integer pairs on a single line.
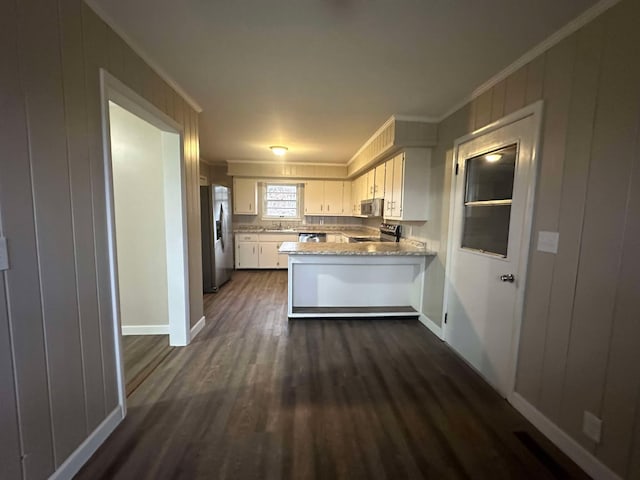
[[372, 207]]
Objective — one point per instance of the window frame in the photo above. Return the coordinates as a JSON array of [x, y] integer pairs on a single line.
[[265, 216]]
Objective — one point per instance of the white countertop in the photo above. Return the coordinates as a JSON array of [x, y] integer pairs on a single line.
[[362, 248]]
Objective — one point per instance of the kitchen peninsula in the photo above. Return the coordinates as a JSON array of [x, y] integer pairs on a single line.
[[369, 279]]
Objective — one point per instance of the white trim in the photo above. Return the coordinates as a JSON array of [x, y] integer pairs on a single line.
[[576, 452], [573, 26], [79, 457], [145, 330], [113, 89], [431, 325], [535, 110], [195, 330], [106, 18]]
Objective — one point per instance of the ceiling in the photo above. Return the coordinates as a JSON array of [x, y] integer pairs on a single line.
[[320, 76]]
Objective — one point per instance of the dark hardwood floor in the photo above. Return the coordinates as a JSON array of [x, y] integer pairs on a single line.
[[142, 355], [256, 396]]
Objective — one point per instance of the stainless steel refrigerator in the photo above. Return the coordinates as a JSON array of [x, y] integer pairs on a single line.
[[217, 242]]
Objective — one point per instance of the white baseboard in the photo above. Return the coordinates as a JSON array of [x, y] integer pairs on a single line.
[[145, 330], [79, 457], [195, 330], [576, 452], [431, 325]]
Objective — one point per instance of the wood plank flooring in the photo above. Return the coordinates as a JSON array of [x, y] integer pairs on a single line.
[[142, 355], [256, 396]]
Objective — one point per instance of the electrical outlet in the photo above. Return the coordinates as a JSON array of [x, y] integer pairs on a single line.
[[4, 254], [592, 426]]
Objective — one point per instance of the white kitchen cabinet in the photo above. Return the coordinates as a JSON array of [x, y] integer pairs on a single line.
[[371, 184], [325, 197], [261, 250], [314, 197], [355, 195], [346, 198], [333, 197], [245, 196], [246, 254], [268, 256], [378, 181], [407, 185]]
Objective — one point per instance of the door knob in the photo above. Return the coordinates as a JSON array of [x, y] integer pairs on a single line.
[[508, 278]]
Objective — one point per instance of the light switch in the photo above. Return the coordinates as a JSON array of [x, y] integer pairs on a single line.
[[548, 241], [4, 254]]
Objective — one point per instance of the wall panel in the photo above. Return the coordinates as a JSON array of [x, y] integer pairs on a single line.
[[60, 353], [557, 93], [579, 132], [22, 280], [81, 198], [516, 90], [484, 104], [497, 100], [10, 462], [579, 334], [621, 399], [615, 129], [42, 83], [95, 40]]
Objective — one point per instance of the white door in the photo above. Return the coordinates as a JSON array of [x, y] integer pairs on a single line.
[[490, 239]]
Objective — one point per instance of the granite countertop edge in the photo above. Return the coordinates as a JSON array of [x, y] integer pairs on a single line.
[[354, 249]]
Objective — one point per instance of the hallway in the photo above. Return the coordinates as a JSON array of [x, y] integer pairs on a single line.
[[258, 397]]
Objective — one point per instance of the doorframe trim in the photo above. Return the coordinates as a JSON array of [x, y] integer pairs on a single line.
[[533, 110], [113, 89]]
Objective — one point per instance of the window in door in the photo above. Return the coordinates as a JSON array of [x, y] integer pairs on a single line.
[[487, 201], [281, 201]]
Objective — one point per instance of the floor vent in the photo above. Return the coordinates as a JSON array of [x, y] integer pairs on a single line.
[[541, 454]]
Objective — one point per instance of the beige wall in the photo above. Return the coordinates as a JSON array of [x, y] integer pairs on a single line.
[[58, 362], [578, 348], [139, 201]]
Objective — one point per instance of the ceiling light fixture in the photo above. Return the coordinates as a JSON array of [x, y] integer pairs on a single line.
[[493, 157], [279, 150]]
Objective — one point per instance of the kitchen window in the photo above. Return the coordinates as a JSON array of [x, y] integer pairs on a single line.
[[281, 200]]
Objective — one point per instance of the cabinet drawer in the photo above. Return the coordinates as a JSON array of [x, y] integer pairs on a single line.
[[278, 237], [246, 237]]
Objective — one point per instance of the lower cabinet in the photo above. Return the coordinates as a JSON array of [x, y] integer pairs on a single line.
[[247, 255], [261, 250]]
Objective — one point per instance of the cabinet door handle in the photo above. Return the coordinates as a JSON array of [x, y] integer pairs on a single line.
[[261, 250], [254, 249], [321, 207], [328, 207], [249, 207]]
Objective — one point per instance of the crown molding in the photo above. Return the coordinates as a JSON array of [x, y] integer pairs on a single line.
[[106, 18], [573, 26]]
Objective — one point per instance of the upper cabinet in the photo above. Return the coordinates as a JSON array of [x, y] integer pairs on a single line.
[[406, 195], [378, 182], [245, 196], [314, 197], [327, 197]]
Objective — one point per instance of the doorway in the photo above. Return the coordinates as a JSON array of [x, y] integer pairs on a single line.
[[489, 236], [147, 231]]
